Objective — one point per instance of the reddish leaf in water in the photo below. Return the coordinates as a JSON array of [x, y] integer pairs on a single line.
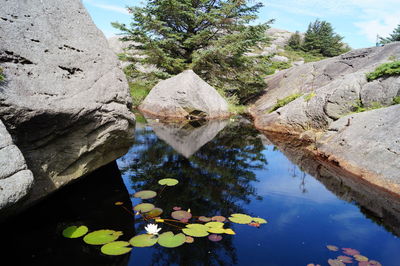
[[184, 220], [332, 262], [254, 224], [218, 219], [345, 259], [350, 251], [177, 208], [332, 248], [215, 238], [374, 263], [189, 239], [204, 219], [364, 263]]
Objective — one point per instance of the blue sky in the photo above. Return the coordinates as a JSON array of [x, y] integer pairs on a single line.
[[359, 21]]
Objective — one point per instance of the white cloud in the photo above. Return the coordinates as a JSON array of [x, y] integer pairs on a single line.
[[114, 8], [371, 28]]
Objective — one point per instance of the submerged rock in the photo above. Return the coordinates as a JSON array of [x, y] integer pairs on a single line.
[[65, 100], [185, 96]]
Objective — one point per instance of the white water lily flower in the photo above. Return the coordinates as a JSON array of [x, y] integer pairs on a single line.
[[152, 229]]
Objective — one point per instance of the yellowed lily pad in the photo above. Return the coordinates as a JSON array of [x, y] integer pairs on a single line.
[[145, 194], [144, 240], [196, 230], [240, 218], [144, 207], [169, 240], [168, 182], [101, 237]]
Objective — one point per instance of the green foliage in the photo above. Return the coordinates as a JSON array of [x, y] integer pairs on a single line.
[[384, 70], [394, 36], [396, 100], [144, 207], [240, 218], [321, 39], [2, 78], [101, 237], [169, 240], [279, 66], [139, 91], [309, 96], [296, 55], [143, 240], [209, 36], [168, 182], [359, 107], [282, 102], [295, 41]]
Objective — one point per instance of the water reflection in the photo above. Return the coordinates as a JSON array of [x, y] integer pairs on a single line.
[[380, 206], [216, 180], [187, 138]]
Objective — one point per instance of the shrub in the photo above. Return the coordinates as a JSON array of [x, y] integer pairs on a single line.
[[384, 70], [396, 100], [2, 78], [282, 102], [309, 96], [295, 41]]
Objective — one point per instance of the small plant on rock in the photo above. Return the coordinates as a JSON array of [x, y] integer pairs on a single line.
[[282, 102], [385, 70]]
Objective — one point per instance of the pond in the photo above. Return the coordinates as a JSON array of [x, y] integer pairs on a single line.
[[223, 167]]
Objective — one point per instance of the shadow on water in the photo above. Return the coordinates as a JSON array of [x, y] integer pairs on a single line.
[[214, 180], [381, 206], [34, 237]]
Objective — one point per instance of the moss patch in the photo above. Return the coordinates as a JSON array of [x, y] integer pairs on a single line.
[[282, 102], [384, 70]]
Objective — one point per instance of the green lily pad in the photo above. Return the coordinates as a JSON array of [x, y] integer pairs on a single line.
[[154, 213], [259, 220], [240, 218], [196, 230], [144, 240], [168, 182], [215, 224], [75, 231], [179, 215], [102, 237], [144, 207], [169, 240], [145, 194], [116, 248]]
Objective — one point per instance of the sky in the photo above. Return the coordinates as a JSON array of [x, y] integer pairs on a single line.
[[358, 21]]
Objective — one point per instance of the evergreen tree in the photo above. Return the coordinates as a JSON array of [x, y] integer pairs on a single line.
[[320, 38], [209, 36], [394, 37], [295, 41]]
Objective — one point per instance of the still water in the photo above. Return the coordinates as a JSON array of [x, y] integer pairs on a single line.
[[223, 167]]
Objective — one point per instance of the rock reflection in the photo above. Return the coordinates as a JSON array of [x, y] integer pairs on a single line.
[[187, 138], [215, 180], [379, 205]]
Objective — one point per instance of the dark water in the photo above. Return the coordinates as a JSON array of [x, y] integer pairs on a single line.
[[223, 168]]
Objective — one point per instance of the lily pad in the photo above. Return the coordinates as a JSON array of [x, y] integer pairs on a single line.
[[102, 237], [374, 263], [215, 224], [177, 208], [154, 213], [240, 218], [168, 182], [118, 203], [179, 215], [350, 251], [215, 238], [204, 219], [259, 220], [359, 257], [229, 231], [196, 230], [345, 259], [218, 219], [144, 240], [332, 248], [189, 239], [332, 262], [144, 207], [75, 231], [169, 240], [145, 194], [116, 248]]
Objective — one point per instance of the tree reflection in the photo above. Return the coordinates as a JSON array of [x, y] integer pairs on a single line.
[[216, 180]]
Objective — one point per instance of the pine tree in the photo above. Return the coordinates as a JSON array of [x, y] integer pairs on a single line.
[[295, 41], [394, 37], [209, 36], [320, 38]]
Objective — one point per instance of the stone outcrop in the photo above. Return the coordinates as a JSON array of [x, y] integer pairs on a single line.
[[184, 96], [15, 179], [64, 100], [365, 144]]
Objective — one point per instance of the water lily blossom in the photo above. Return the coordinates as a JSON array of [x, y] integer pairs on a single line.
[[152, 229]]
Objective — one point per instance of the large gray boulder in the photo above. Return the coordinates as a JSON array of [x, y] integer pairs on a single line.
[[365, 144], [65, 100], [184, 96], [15, 179]]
